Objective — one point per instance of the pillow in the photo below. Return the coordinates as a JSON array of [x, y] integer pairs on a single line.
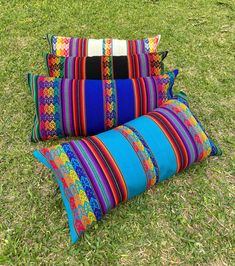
[[70, 107], [72, 46], [105, 67], [97, 173]]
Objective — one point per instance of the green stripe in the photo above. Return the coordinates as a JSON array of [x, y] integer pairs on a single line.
[[35, 136], [58, 107], [29, 79], [62, 66]]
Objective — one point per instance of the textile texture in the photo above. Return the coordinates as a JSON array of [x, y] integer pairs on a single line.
[[99, 172], [70, 107], [105, 67], [72, 46]]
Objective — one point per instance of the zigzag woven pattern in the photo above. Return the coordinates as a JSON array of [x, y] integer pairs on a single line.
[[105, 67], [110, 104], [72, 46], [70, 107], [143, 151], [83, 215], [107, 47], [96, 173]]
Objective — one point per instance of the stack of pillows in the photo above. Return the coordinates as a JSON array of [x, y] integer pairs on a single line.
[[116, 95]]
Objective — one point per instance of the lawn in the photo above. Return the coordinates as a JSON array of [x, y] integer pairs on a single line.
[[187, 220]]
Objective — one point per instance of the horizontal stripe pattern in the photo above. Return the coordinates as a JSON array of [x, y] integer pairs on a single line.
[[105, 67], [92, 172], [72, 46], [70, 107]]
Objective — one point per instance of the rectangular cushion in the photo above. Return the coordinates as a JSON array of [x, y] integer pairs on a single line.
[[97, 173], [73, 46], [105, 67], [70, 107]]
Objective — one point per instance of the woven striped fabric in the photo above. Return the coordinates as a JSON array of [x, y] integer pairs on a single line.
[[105, 67], [70, 107], [72, 46], [97, 173]]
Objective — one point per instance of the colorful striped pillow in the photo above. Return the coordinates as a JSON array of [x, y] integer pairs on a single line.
[[105, 67], [72, 46], [97, 173], [66, 107]]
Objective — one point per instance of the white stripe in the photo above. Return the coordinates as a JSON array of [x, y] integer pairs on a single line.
[[95, 47], [119, 47]]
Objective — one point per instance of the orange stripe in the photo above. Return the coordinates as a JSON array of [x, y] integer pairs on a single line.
[[134, 47], [79, 47], [104, 169], [117, 171], [128, 48], [130, 67]]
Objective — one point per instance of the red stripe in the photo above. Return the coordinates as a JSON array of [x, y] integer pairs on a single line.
[[76, 68], [117, 173], [130, 67], [104, 168], [136, 97], [144, 97], [82, 107], [137, 69], [179, 140], [168, 135], [134, 47], [79, 52]]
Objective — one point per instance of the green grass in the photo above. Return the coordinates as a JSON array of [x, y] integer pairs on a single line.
[[187, 220]]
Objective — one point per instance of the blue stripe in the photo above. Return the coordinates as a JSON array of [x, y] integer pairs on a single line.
[[126, 104], [37, 154], [84, 180], [69, 212], [94, 106], [127, 161], [159, 144]]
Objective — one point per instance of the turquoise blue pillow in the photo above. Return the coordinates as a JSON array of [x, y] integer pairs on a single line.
[[97, 173]]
